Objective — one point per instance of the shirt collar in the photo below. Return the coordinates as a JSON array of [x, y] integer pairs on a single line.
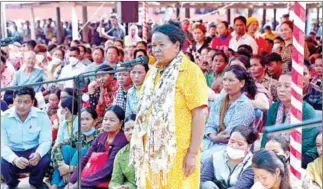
[[32, 113]]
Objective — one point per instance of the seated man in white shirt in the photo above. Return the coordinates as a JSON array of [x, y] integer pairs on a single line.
[[26, 138], [241, 37], [74, 68]]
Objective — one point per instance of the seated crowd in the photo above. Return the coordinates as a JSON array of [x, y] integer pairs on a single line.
[[249, 80]]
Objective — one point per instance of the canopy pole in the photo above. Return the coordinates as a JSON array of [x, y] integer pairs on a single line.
[[32, 23]]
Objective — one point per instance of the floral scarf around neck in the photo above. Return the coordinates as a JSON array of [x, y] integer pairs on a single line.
[[279, 120], [155, 121]]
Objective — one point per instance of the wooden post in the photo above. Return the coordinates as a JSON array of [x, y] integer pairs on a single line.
[[229, 15], [274, 22], [4, 33], [32, 23], [249, 12], [59, 25], [85, 31], [264, 15], [187, 13]]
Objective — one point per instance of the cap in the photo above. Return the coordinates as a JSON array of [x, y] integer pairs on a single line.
[[251, 19]]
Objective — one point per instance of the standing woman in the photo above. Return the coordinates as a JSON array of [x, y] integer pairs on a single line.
[[286, 32], [166, 142]]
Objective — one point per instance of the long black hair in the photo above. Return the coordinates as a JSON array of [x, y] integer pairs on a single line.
[[117, 110], [269, 161], [241, 74]]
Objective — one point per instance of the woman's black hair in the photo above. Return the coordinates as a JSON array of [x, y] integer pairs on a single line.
[[221, 53], [3, 59], [260, 58], [190, 55], [117, 110], [282, 142], [140, 50], [245, 50], [8, 96], [57, 92], [242, 58], [173, 31], [241, 74], [100, 49], [91, 111], [269, 161], [70, 91], [131, 117], [115, 48], [225, 23], [249, 133], [71, 104]]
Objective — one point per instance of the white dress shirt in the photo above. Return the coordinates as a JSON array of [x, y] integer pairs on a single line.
[[244, 40]]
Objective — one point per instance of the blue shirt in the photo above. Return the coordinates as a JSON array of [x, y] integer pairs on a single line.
[[16, 135], [132, 101], [21, 78], [240, 113], [63, 133]]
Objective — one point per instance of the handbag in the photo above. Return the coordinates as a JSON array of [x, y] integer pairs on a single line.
[[96, 162]]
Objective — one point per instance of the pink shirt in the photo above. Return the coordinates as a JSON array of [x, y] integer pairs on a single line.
[[7, 76]]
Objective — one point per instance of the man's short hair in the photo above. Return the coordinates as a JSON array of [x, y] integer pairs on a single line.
[[242, 18], [31, 43], [25, 91], [273, 57], [75, 49]]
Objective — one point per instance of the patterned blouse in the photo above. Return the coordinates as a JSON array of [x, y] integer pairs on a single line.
[[286, 54], [132, 100], [108, 97], [57, 156], [233, 117], [123, 174], [121, 99], [271, 85]]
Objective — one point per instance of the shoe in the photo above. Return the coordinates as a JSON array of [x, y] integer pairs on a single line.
[[9, 187], [43, 186]]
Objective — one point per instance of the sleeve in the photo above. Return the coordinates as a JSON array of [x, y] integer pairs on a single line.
[[117, 178], [246, 179], [6, 152], [45, 138], [128, 110], [195, 89], [271, 115], [57, 156], [15, 79], [94, 99], [85, 159], [310, 170], [211, 126], [60, 132], [207, 172], [261, 101]]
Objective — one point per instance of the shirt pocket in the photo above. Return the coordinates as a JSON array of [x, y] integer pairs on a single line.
[[32, 131]]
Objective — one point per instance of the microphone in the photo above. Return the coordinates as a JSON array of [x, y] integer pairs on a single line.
[[131, 63]]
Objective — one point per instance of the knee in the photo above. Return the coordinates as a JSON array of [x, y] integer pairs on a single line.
[[66, 148], [209, 185], [44, 161]]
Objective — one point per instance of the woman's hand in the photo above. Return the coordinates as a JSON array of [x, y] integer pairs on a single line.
[[220, 138], [189, 164], [63, 169], [92, 86]]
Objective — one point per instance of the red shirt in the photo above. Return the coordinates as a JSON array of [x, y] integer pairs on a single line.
[[221, 42]]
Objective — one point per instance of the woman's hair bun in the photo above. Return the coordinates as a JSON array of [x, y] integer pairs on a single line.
[[175, 23]]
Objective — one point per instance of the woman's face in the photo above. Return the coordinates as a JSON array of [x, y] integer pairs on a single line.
[[198, 35], [239, 142], [256, 69], [163, 49], [124, 79], [53, 101], [87, 121], [219, 64], [30, 59], [231, 84], [286, 32], [128, 127], [139, 53], [318, 66], [267, 179], [138, 74], [58, 54], [222, 29], [97, 56], [111, 122], [284, 87], [253, 27], [277, 148], [104, 79]]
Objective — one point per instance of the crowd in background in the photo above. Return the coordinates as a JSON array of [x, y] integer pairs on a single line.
[[247, 72]]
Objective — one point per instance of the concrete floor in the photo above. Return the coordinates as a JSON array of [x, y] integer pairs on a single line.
[[24, 184]]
